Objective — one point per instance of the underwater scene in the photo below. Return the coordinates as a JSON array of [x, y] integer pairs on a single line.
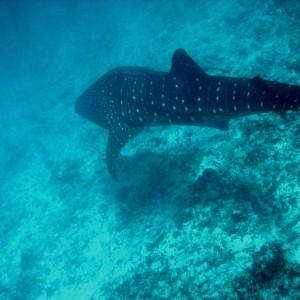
[[150, 149]]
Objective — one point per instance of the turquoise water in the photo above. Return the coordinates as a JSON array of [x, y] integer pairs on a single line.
[[199, 213]]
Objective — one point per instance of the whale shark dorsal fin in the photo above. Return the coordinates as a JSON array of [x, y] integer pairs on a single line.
[[184, 66], [118, 136]]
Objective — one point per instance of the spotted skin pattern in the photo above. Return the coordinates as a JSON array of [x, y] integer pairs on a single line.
[[127, 99]]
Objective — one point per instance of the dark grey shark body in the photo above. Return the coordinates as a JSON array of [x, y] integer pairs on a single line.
[[127, 99]]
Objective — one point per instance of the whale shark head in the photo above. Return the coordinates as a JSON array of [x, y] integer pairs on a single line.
[[95, 103]]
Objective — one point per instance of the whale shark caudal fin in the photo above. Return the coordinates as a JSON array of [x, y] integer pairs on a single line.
[[119, 135]]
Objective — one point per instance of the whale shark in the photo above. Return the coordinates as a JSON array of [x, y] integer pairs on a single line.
[[127, 99]]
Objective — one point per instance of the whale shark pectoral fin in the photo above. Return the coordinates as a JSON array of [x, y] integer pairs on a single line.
[[184, 66], [119, 135]]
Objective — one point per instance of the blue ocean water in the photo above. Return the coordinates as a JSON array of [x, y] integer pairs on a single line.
[[199, 213]]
